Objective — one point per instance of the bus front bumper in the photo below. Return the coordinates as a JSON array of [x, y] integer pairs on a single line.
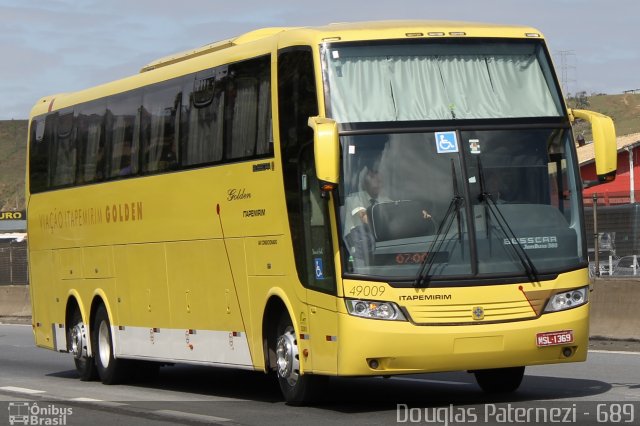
[[375, 347]]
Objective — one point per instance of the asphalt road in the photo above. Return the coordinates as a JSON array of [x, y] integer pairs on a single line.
[[43, 384]]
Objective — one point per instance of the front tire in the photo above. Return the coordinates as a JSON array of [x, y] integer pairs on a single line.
[[297, 389], [500, 380], [110, 369]]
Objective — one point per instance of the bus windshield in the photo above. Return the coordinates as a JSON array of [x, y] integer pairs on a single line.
[[490, 195], [438, 80], [485, 202]]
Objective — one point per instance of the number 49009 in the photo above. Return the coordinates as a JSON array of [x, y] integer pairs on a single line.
[[367, 290]]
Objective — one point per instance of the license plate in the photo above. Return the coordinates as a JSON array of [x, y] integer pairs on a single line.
[[553, 338]]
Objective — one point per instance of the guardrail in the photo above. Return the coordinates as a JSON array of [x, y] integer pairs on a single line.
[[615, 308], [15, 301]]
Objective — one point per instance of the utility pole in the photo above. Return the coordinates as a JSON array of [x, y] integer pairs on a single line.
[[565, 69]]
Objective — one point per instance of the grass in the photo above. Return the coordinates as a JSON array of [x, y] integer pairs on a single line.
[[624, 109], [13, 144]]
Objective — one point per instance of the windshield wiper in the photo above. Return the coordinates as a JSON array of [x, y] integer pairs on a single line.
[[443, 230], [487, 198]]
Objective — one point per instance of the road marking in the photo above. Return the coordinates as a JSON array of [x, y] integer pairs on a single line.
[[21, 390], [602, 351], [440, 382], [99, 402], [190, 416]]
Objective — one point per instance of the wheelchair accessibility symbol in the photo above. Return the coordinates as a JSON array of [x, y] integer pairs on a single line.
[[319, 268], [446, 142]]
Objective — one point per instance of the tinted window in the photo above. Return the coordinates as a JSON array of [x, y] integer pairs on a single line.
[[160, 114], [248, 109], [203, 118], [212, 116], [297, 102], [227, 113], [39, 156], [123, 133], [64, 157], [91, 142]]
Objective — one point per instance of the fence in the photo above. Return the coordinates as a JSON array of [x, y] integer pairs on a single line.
[[618, 228], [13, 263]]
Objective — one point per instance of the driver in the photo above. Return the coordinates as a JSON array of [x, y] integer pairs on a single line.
[[357, 230], [358, 209], [358, 205]]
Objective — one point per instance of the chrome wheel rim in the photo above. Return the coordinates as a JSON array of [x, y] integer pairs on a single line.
[[78, 341], [288, 363]]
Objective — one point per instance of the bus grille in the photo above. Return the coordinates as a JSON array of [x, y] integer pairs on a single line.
[[464, 314]]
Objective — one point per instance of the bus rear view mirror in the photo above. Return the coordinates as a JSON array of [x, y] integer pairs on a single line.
[[327, 151], [604, 144]]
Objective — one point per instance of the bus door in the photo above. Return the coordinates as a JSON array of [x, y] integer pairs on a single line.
[[318, 274]]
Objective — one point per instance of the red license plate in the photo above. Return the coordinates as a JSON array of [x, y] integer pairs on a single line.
[[552, 338]]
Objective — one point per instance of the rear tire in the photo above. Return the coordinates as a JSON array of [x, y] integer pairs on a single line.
[[297, 389], [500, 380], [110, 369], [78, 346]]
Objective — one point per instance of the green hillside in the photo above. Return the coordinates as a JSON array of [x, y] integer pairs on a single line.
[[13, 143], [624, 109]]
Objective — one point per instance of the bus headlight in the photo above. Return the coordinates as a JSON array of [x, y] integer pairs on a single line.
[[567, 300], [374, 309]]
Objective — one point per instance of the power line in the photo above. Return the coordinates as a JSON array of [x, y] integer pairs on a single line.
[[566, 69]]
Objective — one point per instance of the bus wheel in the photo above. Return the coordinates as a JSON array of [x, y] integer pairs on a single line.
[[111, 370], [298, 389], [500, 380], [77, 337]]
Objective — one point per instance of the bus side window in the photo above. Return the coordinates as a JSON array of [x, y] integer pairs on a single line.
[[202, 118], [38, 156], [123, 134], [264, 140], [91, 142], [248, 109], [242, 127], [227, 115], [64, 151], [160, 107]]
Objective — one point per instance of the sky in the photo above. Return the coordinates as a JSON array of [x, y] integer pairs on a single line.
[[54, 46]]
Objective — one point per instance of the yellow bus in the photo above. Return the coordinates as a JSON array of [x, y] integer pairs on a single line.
[[360, 199]]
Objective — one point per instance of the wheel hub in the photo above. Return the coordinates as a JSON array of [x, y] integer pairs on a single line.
[[79, 341], [288, 362]]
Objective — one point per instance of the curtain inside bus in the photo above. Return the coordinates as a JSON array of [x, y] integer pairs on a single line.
[[403, 82]]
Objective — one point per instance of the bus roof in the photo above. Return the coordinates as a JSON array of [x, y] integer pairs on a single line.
[[357, 31], [212, 47], [175, 65]]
